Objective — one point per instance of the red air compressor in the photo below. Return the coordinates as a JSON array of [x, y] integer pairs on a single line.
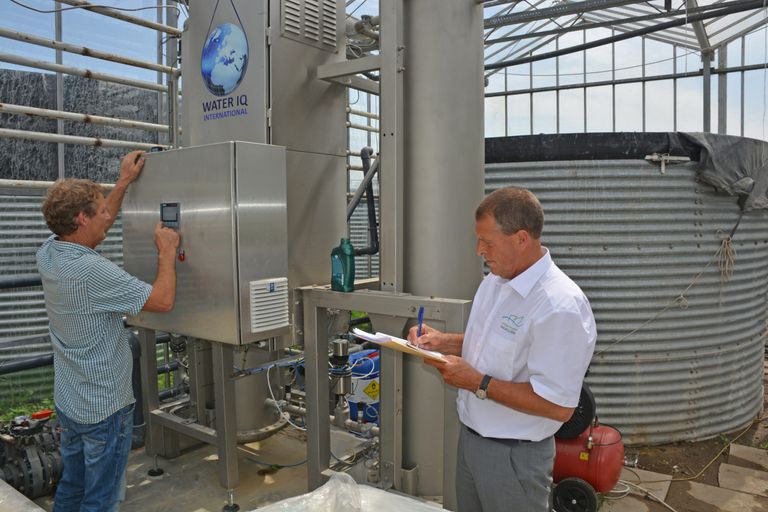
[[588, 459]]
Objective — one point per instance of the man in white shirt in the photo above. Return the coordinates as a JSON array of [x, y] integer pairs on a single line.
[[519, 365]]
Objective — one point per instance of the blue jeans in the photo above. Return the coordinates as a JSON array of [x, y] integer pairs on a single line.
[[94, 457]]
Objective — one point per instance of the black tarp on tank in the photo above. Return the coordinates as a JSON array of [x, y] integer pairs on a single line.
[[734, 165]]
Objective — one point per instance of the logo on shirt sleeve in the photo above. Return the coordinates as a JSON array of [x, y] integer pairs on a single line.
[[511, 323]]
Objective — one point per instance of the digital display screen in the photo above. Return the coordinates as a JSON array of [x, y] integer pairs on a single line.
[[169, 212]]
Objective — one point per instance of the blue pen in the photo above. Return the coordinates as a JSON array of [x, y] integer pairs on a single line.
[[421, 320]]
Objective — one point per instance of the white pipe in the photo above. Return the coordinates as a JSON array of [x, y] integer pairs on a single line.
[[364, 127], [125, 17], [362, 113], [73, 139], [360, 428], [82, 50], [6, 108], [87, 73], [26, 184], [173, 110]]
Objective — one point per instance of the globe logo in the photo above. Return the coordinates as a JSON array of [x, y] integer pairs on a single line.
[[224, 59]]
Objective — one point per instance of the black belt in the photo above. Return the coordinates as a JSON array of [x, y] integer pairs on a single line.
[[498, 439]]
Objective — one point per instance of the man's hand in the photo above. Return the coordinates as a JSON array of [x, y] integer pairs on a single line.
[[131, 166], [167, 240], [433, 339], [430, 339], [163, 294], [457, 372]]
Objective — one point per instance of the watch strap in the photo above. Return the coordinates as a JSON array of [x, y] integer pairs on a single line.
[[484, 383]]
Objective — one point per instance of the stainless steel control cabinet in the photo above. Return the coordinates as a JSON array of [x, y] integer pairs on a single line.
[[229, 201]]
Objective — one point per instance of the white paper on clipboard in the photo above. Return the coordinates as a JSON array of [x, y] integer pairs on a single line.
[[399, 344]]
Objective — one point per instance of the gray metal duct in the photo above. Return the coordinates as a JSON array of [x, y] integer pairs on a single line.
[[443, 177], [635, 239]]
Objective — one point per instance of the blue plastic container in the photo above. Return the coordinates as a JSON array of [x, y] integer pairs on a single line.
[[365, 385]]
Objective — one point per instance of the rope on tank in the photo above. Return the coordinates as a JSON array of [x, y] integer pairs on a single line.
[[725, 256]]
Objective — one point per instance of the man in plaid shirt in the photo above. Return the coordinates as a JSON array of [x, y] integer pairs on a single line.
[[86, 296]]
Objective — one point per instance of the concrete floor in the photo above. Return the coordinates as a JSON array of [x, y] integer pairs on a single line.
[[190, 482]]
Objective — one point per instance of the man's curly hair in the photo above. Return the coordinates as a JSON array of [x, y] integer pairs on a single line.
[[64, 202]]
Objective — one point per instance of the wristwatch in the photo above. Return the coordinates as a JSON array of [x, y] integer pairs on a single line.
[[482, 391]]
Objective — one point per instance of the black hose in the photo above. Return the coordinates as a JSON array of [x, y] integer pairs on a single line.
[[359, 321], [167, 393], [170, 366], [26, 364], [24, 281], [373, 225]]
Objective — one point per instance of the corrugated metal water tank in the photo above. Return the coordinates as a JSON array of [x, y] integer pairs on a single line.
[[680, 351]]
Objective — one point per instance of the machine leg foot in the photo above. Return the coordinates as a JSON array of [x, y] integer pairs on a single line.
[[155, 471], [231, 506]]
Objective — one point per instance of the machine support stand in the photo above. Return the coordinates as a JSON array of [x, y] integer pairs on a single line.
[[389, 312], [231, 506], [165, 428], [155, 471], [226, 422]]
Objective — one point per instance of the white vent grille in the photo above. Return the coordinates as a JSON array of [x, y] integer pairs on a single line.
[[292, 16], [269, 304], [311, 21], [329, 22]]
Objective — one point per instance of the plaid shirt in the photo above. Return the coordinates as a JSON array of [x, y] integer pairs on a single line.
[[86, 296]]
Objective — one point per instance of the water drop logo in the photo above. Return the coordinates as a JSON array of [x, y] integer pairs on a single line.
[[224, 59]]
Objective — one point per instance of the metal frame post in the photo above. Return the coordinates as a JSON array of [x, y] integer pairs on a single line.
[[152, 439], [722, 91], [390, 312], [706, 64], [316, 386], [226, 421], [391, 144], [199, 357]]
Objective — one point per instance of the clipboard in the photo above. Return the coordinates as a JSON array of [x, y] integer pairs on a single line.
[[399, 344]]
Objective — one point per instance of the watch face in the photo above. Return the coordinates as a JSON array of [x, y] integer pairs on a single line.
[[481, 394]]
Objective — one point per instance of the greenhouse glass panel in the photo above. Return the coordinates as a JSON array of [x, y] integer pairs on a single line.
[[629, 107], [600, 109], [545, 112], [755, 104], [659, 106], [494, 117], [690, 116], [572, 111], [519, 114]]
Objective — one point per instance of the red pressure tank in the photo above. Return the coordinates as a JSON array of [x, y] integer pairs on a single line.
[[596, 456]]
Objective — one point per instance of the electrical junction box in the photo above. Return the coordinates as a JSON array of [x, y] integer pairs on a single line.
[[228, 202]]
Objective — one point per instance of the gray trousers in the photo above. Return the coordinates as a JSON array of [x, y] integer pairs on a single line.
[[503, 475]]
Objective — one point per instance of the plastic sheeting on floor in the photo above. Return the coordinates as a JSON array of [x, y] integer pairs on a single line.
[[342, 494]]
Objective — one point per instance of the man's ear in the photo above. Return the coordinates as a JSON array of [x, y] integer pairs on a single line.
[[81, 219]]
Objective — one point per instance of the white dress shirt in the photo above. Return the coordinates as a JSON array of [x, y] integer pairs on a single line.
[[537, 328]]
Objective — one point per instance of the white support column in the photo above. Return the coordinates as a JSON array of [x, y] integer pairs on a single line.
[[706, 64], [722, 91]]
